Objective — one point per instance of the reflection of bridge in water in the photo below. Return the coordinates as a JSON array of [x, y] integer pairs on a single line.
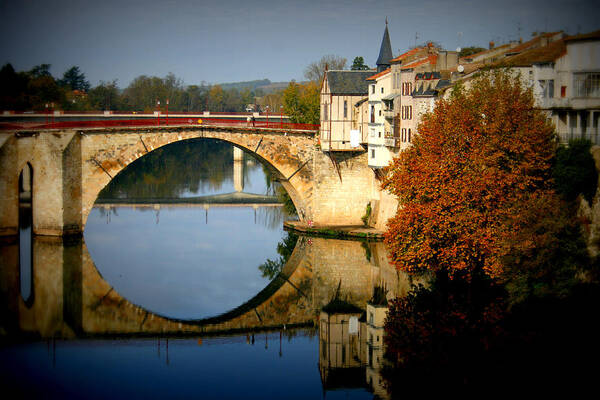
[[71, 299], [235, 199]]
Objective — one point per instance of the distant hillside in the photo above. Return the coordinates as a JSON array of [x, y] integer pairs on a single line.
[[264, 84], [245, 85]]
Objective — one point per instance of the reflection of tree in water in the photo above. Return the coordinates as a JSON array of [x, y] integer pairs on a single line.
[[190, 166], [459, 332], [271, 268]]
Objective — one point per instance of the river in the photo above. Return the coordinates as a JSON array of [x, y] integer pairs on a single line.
[[185, 284]]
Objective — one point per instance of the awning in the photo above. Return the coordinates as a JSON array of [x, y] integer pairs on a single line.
[[390, 96]]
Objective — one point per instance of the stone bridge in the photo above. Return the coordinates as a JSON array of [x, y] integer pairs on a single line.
[[71, 166]]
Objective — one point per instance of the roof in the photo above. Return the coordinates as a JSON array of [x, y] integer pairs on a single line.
[[411, 52], [348, 82], [358, 103], [497, 49], [468, 68], [432, 59], [538, 55], [584, 36], [385, 51], [442, 83], [379, 75], [390, 96], [535, 42]]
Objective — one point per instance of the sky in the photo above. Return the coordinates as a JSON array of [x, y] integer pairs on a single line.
[[219, 41]]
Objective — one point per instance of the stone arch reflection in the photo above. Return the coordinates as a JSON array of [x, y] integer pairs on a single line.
[[26, 234]]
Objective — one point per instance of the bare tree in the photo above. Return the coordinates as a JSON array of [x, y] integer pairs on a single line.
[[316, 70]]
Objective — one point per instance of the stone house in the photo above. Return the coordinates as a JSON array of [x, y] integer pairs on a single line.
[[340, 92]]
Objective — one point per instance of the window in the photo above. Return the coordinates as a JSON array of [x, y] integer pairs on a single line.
[[547, 88], [406, 112], [563, 91], [325, 112], [587, 84], [379, 134], [381, 90], [408, 135], [372, 89], [372, 114], [372, 153], [345, 108]]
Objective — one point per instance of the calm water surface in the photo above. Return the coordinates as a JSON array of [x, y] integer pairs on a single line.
[[162, 299]]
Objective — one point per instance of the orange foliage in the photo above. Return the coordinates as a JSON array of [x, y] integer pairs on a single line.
[[479, 157]]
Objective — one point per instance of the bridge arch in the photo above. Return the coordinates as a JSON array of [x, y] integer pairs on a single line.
[[105, 154]]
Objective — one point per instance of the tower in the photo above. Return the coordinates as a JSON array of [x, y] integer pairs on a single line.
[[385, 52]]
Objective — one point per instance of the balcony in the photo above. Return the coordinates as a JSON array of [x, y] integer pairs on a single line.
[[388, 114], [392, 142]]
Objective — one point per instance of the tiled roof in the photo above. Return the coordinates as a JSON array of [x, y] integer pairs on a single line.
[[468, 68], [407, 54], [538, 55], [584, 36], [429, 60], [382, 73], [484, 52], [535, 42], [348, 82]]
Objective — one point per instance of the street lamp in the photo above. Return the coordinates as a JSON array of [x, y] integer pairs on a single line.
[[281, 116], [157, 112], [167, 111], [267, 107]]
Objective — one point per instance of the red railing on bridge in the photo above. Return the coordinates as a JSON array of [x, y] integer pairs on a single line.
[[162, 121]]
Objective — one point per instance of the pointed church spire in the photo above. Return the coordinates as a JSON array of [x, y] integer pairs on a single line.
[[385, 52]]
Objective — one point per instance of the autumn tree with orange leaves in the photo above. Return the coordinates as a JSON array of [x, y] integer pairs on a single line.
[[475, 178]]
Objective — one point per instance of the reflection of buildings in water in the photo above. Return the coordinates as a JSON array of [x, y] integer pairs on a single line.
[[351, 348], [374, 341]]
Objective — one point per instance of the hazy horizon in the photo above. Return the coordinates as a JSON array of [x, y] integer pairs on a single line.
[[235, 41]]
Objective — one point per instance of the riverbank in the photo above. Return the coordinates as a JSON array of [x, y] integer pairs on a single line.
[[335, 231]]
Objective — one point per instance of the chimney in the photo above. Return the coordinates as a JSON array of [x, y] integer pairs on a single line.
[[492, 44]]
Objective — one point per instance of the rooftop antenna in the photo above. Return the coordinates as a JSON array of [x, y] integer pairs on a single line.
[[416, 38]]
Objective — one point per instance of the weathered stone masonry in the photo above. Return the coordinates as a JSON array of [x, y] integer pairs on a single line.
[[70, 168]]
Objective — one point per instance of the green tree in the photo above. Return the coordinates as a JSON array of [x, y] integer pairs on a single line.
[[105, 96], [13, 95], [216, 99], [40, 70], [42, 90], [467, 51], [301, 102], [359, 64], [574, 170], [74, 79]]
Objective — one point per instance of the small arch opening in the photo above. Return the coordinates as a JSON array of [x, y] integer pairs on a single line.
[[26, 234]]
